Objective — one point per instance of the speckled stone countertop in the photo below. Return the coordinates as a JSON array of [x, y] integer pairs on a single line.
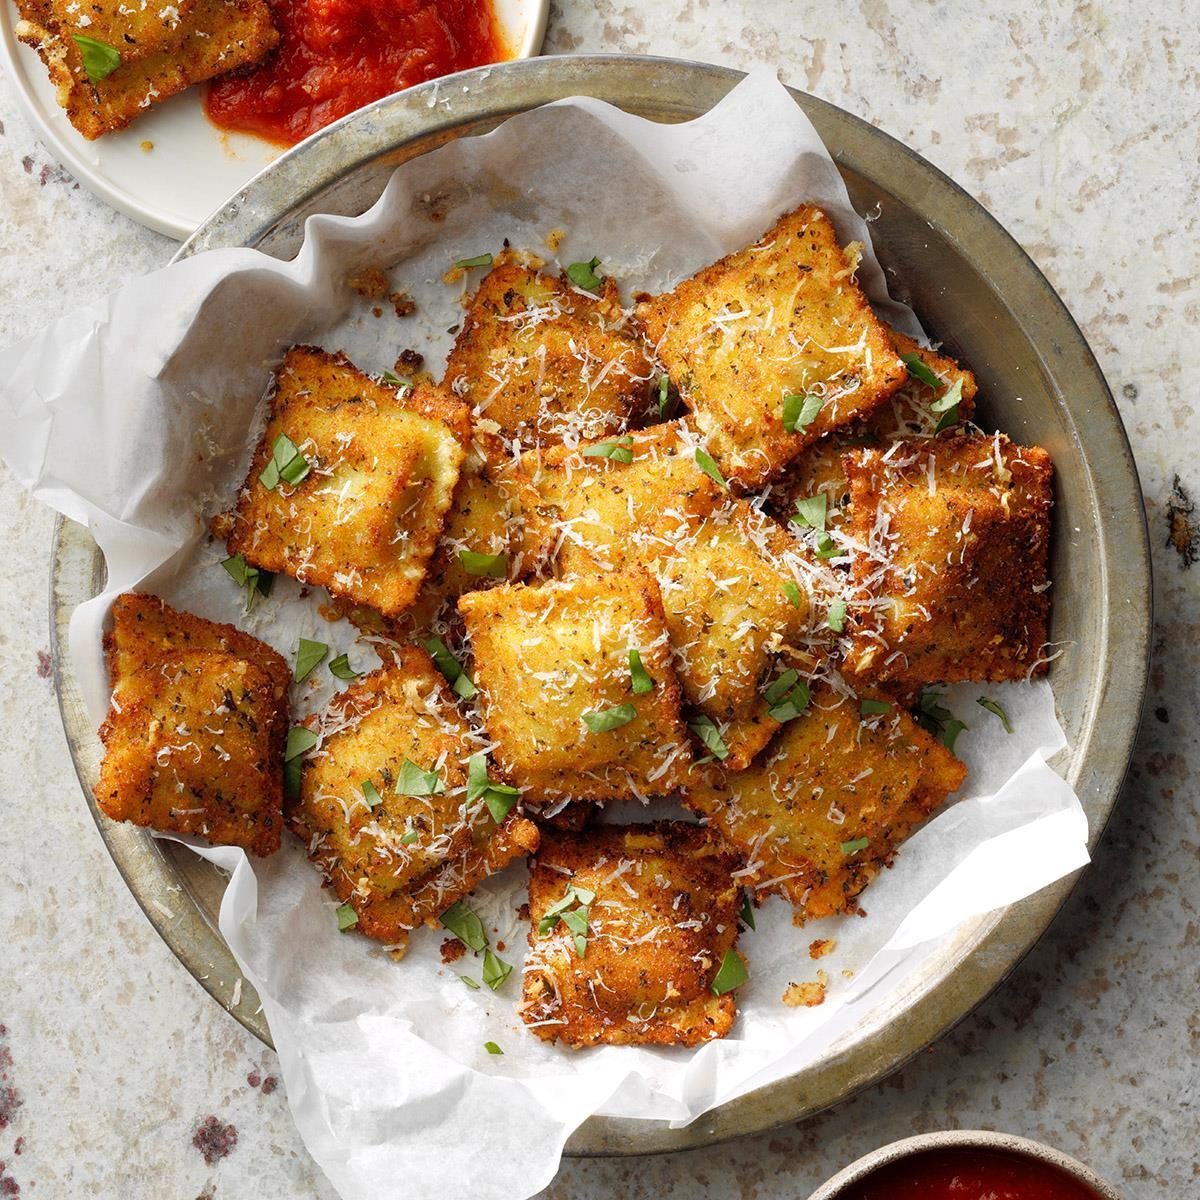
[[1077, 127]]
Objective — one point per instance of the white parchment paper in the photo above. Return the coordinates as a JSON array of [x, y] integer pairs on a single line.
[[134, 416]]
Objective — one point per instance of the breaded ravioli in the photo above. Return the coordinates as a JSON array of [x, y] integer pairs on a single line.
[[920, 408], [351, 481], [385, 808], [589, 507], [104, 85], [570, 714], [547, 361], [194, 738], [629, 927], [774, 346], [736, 598], [951, 570], [825, 806]]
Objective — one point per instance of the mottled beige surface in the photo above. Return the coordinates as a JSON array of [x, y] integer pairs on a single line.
[[1077, 127]]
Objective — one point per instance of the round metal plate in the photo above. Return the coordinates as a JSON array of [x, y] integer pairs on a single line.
[[977, 291]]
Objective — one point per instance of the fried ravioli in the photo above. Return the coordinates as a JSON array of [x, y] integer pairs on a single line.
[[547, 361], [378, 469], [208, 38], [750, 340], [384, 806], [825, 807], [194, 739], [952, 570], [553, 664], [736, 598], [659, 909]]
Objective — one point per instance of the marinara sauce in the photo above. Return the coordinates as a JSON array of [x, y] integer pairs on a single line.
[[968, 1174], [336, 55]]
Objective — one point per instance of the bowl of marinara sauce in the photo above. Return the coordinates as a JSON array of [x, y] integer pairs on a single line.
[[966, 1164]]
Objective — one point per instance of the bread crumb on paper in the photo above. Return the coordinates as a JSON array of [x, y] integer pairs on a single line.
[[806, 995]]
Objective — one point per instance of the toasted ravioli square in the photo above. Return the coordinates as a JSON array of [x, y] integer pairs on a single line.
[[163, 50], [383, 803], [955, 542], [907, 413], [824, 808], [382, 464], [589, 507], [782, 318], [661, 915], [193, 742], [553, 664], [546, 360], [736, 600]]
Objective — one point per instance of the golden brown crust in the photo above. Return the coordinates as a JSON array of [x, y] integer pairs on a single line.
[[194, 739], [546, 361], [547, 655], [953, 571], [829, 779], [366, 519], [783, 316], [212, 37], [664, 915], [399, 859]]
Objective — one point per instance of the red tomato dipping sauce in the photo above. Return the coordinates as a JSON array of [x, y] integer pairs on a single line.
[[334, 56], [968, 1174]]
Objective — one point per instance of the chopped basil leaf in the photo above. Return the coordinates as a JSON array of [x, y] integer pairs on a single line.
[[286, 463], [949, 735], [609, 718], [473, 984], [837, 616], [935, 718], [465, 926], [706, 730], [799, 412], [619, 451], [499, 797], [918, 370], [947, 405], [371, 796], [826, 547], [731, 974], [415, 782], [788, 695], [874, 708], [495, 970], [792, 592], [583, 275], [664, 394], [347, 918], [642, 683], [480, 260], [812, 511], [855, 846], [747, 913], [256, 582], [300, 740], [576, 920], [705, 462], [396, 381], [572, 911], [309, 656], [100, 59], [495, 565], [993, 706], [410, 838], [460, 682], [341, 668], [492, 1048], [291, 778]]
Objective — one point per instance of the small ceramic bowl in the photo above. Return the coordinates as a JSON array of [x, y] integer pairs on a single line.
[[983, 1139]]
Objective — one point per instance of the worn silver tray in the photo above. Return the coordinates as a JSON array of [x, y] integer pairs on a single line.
[[974, 287]]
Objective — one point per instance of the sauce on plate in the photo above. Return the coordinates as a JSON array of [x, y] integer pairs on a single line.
[[968, 1174], [334, 56]]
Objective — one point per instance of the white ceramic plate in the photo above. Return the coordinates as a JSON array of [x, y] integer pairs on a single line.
[[193, 166]]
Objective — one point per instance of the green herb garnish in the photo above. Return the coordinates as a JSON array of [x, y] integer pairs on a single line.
[[938, 720], [836, 620], [309, 656], [415, 782], [572, 910], [480, 260], [855, 846], [731, 974], [705, 462], [993, 706], [664, 394], [499, 797], [341, 668], [495, 970], [799, 412], [874, 708], [606, 719], [747, 913], [473, 984], [461, 684], [792, 592], [812, 511], [286, 463], [411, 837], [826, 547], [299, 741], [641, 681], [583, 275], [100, 59], [788, 695], [947, 406], [255, 581], [370, 794], [919, 370], [619, 451], [708, 733], [396, 381], [492, 1048], [465, 926], [494, 565], [347, 918]]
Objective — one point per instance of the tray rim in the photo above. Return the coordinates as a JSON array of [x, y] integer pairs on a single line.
[[999, 941]]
